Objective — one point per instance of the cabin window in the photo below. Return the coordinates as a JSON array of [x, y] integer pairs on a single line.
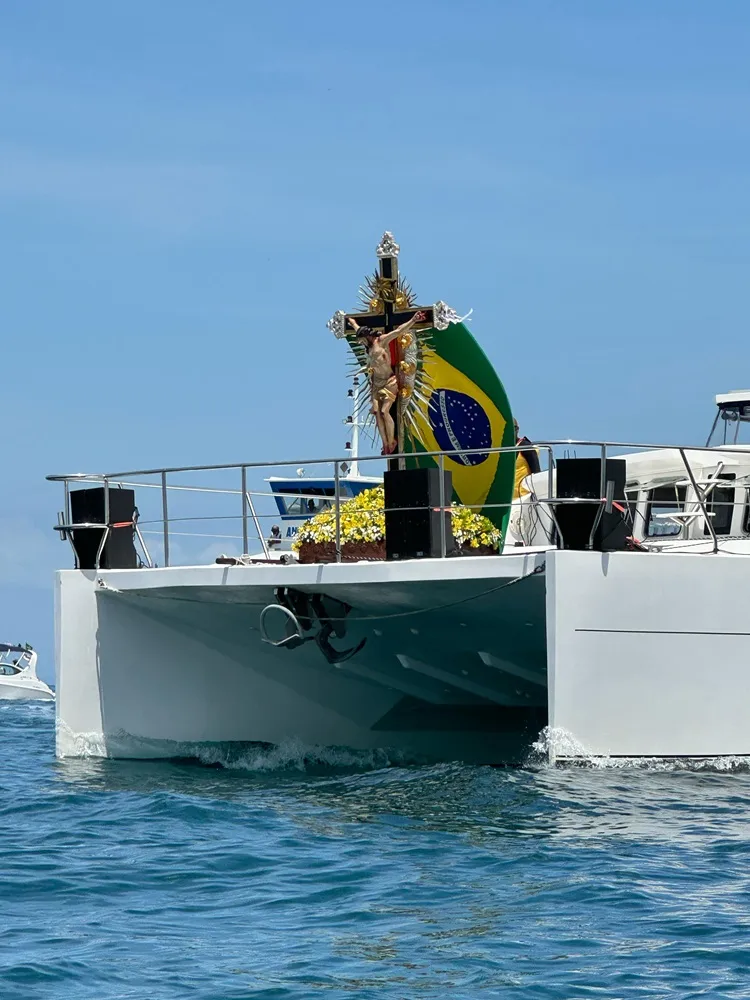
[[315, 506], [9, 669], [316, 498], [664, 500], [720, 503], [746, 518], [296, 506]]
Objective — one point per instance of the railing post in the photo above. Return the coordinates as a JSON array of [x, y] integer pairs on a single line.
[[105, 529], [165, 516], [601, 498], [551, 500], [443, 541], [700, 499], [337, 501], [550, 475], [258, 529], [244, 511]]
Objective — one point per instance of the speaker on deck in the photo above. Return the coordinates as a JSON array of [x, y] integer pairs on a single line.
[[412, 513], [88, 506], [581, 477]]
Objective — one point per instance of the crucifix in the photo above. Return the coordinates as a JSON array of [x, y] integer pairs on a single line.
[[386, 327]]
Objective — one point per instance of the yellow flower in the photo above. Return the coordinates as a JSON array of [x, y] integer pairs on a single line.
[[362, 519]]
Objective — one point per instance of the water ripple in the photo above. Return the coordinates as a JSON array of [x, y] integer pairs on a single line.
[[287, 873]]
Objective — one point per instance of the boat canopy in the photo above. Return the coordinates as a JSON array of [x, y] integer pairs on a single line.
[[732, 408]]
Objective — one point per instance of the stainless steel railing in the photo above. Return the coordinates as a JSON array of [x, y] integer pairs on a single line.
[[248, 511]]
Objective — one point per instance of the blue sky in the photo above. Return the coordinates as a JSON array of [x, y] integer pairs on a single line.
[[189, 190]]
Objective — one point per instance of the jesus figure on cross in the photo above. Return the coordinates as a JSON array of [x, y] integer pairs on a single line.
[[383, 381]]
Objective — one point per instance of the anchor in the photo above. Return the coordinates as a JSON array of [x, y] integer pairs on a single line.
[[303, 612]]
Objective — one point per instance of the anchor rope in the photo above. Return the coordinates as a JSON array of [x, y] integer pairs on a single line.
[[348, 618], [440, 607]]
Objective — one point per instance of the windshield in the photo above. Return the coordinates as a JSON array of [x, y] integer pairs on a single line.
[[312, 501], [729, 425]]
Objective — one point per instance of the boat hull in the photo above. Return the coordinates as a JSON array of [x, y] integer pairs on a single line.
[[18, 692], [648, 654], [162, 663], [622, 654]]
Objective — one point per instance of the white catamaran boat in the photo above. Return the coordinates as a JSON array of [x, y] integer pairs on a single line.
[[18, 679], [613, 618]]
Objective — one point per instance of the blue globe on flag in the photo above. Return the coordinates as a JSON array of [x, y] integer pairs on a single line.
[[458, 422]]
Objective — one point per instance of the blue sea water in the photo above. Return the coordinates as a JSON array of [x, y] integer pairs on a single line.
[[279, 876]]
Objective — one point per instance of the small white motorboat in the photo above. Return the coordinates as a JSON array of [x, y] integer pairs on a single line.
[[18, 679]]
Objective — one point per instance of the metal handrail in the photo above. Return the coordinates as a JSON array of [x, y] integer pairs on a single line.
[[248, 504], [699, 497], [67, 527], [564, 442], [113, 479]]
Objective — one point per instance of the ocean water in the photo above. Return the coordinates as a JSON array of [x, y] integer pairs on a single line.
[[274, 875]]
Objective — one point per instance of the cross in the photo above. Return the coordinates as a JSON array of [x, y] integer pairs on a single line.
[[386, 313]]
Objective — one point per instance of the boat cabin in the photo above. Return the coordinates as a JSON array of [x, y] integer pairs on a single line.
[[14, 659], [298, 499], [673, 496], [664, 501], [733, 410]]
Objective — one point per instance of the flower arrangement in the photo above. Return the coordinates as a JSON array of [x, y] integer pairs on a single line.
[[472, 530], [362, 525]]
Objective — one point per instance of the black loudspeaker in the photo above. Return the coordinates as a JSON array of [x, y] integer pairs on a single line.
[[581, 477], [88, 506], [413, 516]]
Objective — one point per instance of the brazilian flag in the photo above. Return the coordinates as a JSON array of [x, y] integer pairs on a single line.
[[463, 405]]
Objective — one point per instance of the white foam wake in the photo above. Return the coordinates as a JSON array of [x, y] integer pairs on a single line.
[[290, 755], [555, 747], [72, 744]]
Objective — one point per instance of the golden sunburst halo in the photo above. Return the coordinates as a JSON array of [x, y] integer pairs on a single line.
[[377, 290]]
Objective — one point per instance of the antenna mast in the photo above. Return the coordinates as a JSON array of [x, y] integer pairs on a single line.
[[353, 421]]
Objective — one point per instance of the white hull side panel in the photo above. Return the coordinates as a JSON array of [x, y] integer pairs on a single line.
[[649, 655], [157, 661], [126, 679], [24, 692]]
